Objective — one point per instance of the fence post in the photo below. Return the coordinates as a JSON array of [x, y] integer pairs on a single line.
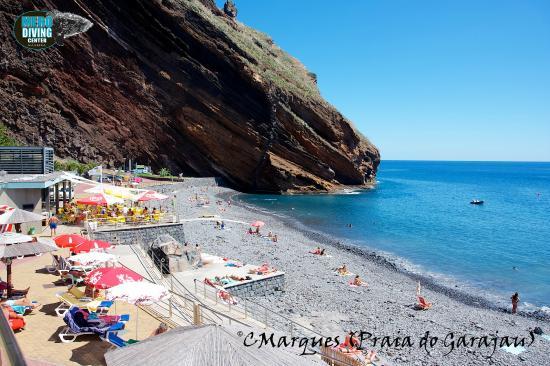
[[172, 290]]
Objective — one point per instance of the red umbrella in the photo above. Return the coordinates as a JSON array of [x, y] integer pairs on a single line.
[[69, 240], [91, 245], [152, 195], [108, 277], [258, 224]]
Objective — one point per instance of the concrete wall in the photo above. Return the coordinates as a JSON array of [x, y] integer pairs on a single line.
[[141, 234], [20, 197], [266, 286]]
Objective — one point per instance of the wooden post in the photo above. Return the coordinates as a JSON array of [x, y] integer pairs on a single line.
[[8, 276], [56, 197], [196, 314], [64, 193]]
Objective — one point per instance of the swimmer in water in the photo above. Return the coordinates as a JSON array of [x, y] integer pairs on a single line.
[[515, 268]]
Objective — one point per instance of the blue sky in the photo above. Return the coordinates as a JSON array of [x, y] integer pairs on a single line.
[[435, 80]]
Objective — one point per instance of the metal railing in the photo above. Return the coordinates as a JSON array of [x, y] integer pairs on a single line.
[[182, 298], [261, 313], [10, 353]]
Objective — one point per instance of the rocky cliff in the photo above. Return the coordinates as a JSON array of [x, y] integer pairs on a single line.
[[178, 84]]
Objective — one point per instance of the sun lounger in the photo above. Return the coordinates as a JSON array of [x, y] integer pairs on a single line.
[[423, 304], [114, 339], [54, 267], [75, 297], [73, 330]]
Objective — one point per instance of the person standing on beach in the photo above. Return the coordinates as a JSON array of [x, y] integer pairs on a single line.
[[53, 222], [515, 301]]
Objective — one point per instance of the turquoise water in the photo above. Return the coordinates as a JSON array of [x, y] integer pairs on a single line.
[[420, 212]]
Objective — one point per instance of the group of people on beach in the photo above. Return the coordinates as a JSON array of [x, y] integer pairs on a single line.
[[273, 237]]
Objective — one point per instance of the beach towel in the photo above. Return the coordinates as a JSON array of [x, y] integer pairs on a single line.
[[351, 284], [100, 328]]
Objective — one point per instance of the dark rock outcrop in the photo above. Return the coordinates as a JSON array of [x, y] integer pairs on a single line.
[[177, 84], [230, 9]]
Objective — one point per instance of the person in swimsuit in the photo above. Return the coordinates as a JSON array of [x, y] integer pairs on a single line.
[[342, 270], [54, 221], [515, 302], [162, 328]]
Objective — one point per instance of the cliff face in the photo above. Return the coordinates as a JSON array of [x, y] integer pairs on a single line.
[[178, 84]]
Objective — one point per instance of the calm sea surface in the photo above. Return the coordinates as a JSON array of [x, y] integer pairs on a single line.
[[419, 213]]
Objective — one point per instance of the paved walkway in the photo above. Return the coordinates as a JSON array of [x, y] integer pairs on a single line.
[[39, 340]]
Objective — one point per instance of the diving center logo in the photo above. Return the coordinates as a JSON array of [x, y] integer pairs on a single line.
[[35, 30], [41, 29]]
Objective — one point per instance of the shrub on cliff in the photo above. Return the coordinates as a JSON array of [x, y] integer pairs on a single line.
[[6, 140]]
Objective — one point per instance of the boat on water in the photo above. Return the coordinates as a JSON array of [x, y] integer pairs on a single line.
[[476, 202]]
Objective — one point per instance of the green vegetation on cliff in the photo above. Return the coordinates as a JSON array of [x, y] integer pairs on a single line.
[[6, 140]]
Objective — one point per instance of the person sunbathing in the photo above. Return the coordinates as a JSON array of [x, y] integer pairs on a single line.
[[342, 270], [262, 270], [316, 251], [358, 282], [21, 302], [239, 278], [15, 320]]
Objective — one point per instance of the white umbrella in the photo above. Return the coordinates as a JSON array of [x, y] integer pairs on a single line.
[[119, 192], [14, 238], [14, 245], [152, 195], [138, 293], [93, 258], [18, 216]]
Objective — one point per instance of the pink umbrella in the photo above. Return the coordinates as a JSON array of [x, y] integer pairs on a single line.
[[91, 245], [108, 277], [257, 224], [100, 199], [152, 195]]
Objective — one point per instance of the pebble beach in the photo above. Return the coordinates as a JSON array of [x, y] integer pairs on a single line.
[[458, 330]]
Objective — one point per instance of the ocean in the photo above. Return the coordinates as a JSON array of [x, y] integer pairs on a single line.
[[420, 216]]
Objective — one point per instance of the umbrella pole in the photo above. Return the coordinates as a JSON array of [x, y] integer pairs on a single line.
[[8, 276], [137, 317]]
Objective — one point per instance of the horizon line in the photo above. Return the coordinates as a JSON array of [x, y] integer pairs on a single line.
[[468, 161]]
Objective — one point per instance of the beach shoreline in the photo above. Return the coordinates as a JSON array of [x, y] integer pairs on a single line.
[[389, 262], [318, 298]]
